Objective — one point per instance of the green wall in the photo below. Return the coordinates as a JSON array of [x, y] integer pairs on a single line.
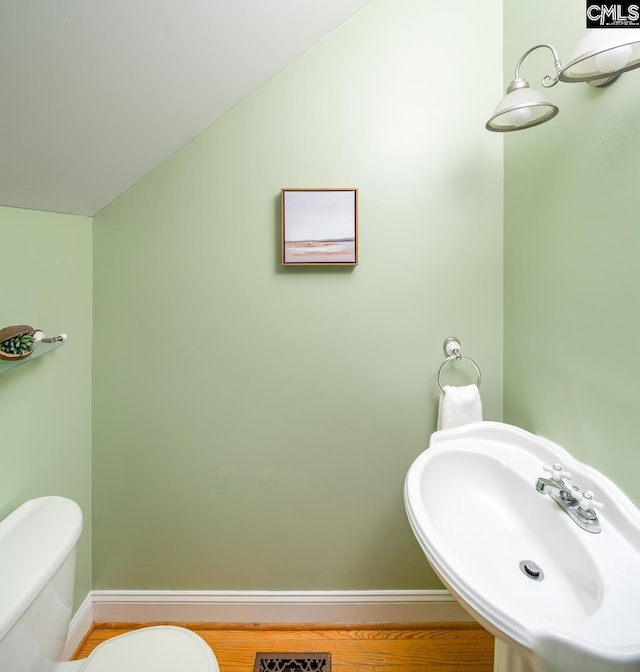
[[45, 404], [572, 243], [252, 424]]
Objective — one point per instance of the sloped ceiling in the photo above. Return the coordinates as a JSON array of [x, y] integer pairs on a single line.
[[94, 94]]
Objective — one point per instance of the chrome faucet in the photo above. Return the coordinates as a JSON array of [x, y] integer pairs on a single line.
[[579, 506]]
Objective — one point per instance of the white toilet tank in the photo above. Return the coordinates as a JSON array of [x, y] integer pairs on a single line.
[[37, 568]]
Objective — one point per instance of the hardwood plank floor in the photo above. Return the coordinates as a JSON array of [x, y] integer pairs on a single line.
[[432, 647]]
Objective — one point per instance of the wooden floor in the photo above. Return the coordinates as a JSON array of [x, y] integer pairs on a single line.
[[463, 647]]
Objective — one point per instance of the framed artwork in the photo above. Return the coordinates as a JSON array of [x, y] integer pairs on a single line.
[[319, 227]]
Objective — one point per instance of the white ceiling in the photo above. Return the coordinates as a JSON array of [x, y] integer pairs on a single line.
[[94, 94]]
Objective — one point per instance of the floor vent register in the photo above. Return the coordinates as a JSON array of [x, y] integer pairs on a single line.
[[292, 662]]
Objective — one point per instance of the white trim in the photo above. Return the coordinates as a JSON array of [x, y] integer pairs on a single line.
[[222, 606], [382, 606], [80, 625]]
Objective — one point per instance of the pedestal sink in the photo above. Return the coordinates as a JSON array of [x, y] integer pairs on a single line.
[[566, 599]]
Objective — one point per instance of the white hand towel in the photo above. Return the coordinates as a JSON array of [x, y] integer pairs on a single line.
[[459, 406]]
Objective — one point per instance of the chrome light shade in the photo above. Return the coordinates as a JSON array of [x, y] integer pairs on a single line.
[[521, 107], [600, 58], [602, 55]]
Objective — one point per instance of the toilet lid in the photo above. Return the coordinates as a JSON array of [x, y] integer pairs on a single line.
[[162, 648]]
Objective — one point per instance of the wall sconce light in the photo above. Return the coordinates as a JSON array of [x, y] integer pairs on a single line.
[[599, 59]]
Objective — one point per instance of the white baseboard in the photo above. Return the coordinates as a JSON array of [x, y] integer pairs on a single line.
[[148, 606], [80, 625], [385, 606]]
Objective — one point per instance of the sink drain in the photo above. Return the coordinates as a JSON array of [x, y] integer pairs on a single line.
[[531, 570]]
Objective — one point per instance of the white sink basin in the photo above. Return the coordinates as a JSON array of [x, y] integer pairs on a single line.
[[472, 503]]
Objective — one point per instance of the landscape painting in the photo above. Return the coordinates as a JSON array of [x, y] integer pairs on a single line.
[[320, 227]]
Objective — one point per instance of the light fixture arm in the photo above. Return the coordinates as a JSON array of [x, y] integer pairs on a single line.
[[548, 81], [599, 59]]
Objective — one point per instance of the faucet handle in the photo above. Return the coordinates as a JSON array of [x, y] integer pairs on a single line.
[[586, 501], [556, 471]]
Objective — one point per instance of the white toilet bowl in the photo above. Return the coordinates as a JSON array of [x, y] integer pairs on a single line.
[[162, 648], [37, 569]]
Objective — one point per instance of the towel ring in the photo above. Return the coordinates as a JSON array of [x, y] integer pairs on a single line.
[[451, 359], [452, 345]]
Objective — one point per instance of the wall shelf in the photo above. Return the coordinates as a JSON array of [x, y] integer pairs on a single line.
[[39, 349]]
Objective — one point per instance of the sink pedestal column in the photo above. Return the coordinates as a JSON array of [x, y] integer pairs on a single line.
[[507, 659]]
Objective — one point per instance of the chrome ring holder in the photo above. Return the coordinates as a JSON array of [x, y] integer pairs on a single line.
[[451, 348]]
